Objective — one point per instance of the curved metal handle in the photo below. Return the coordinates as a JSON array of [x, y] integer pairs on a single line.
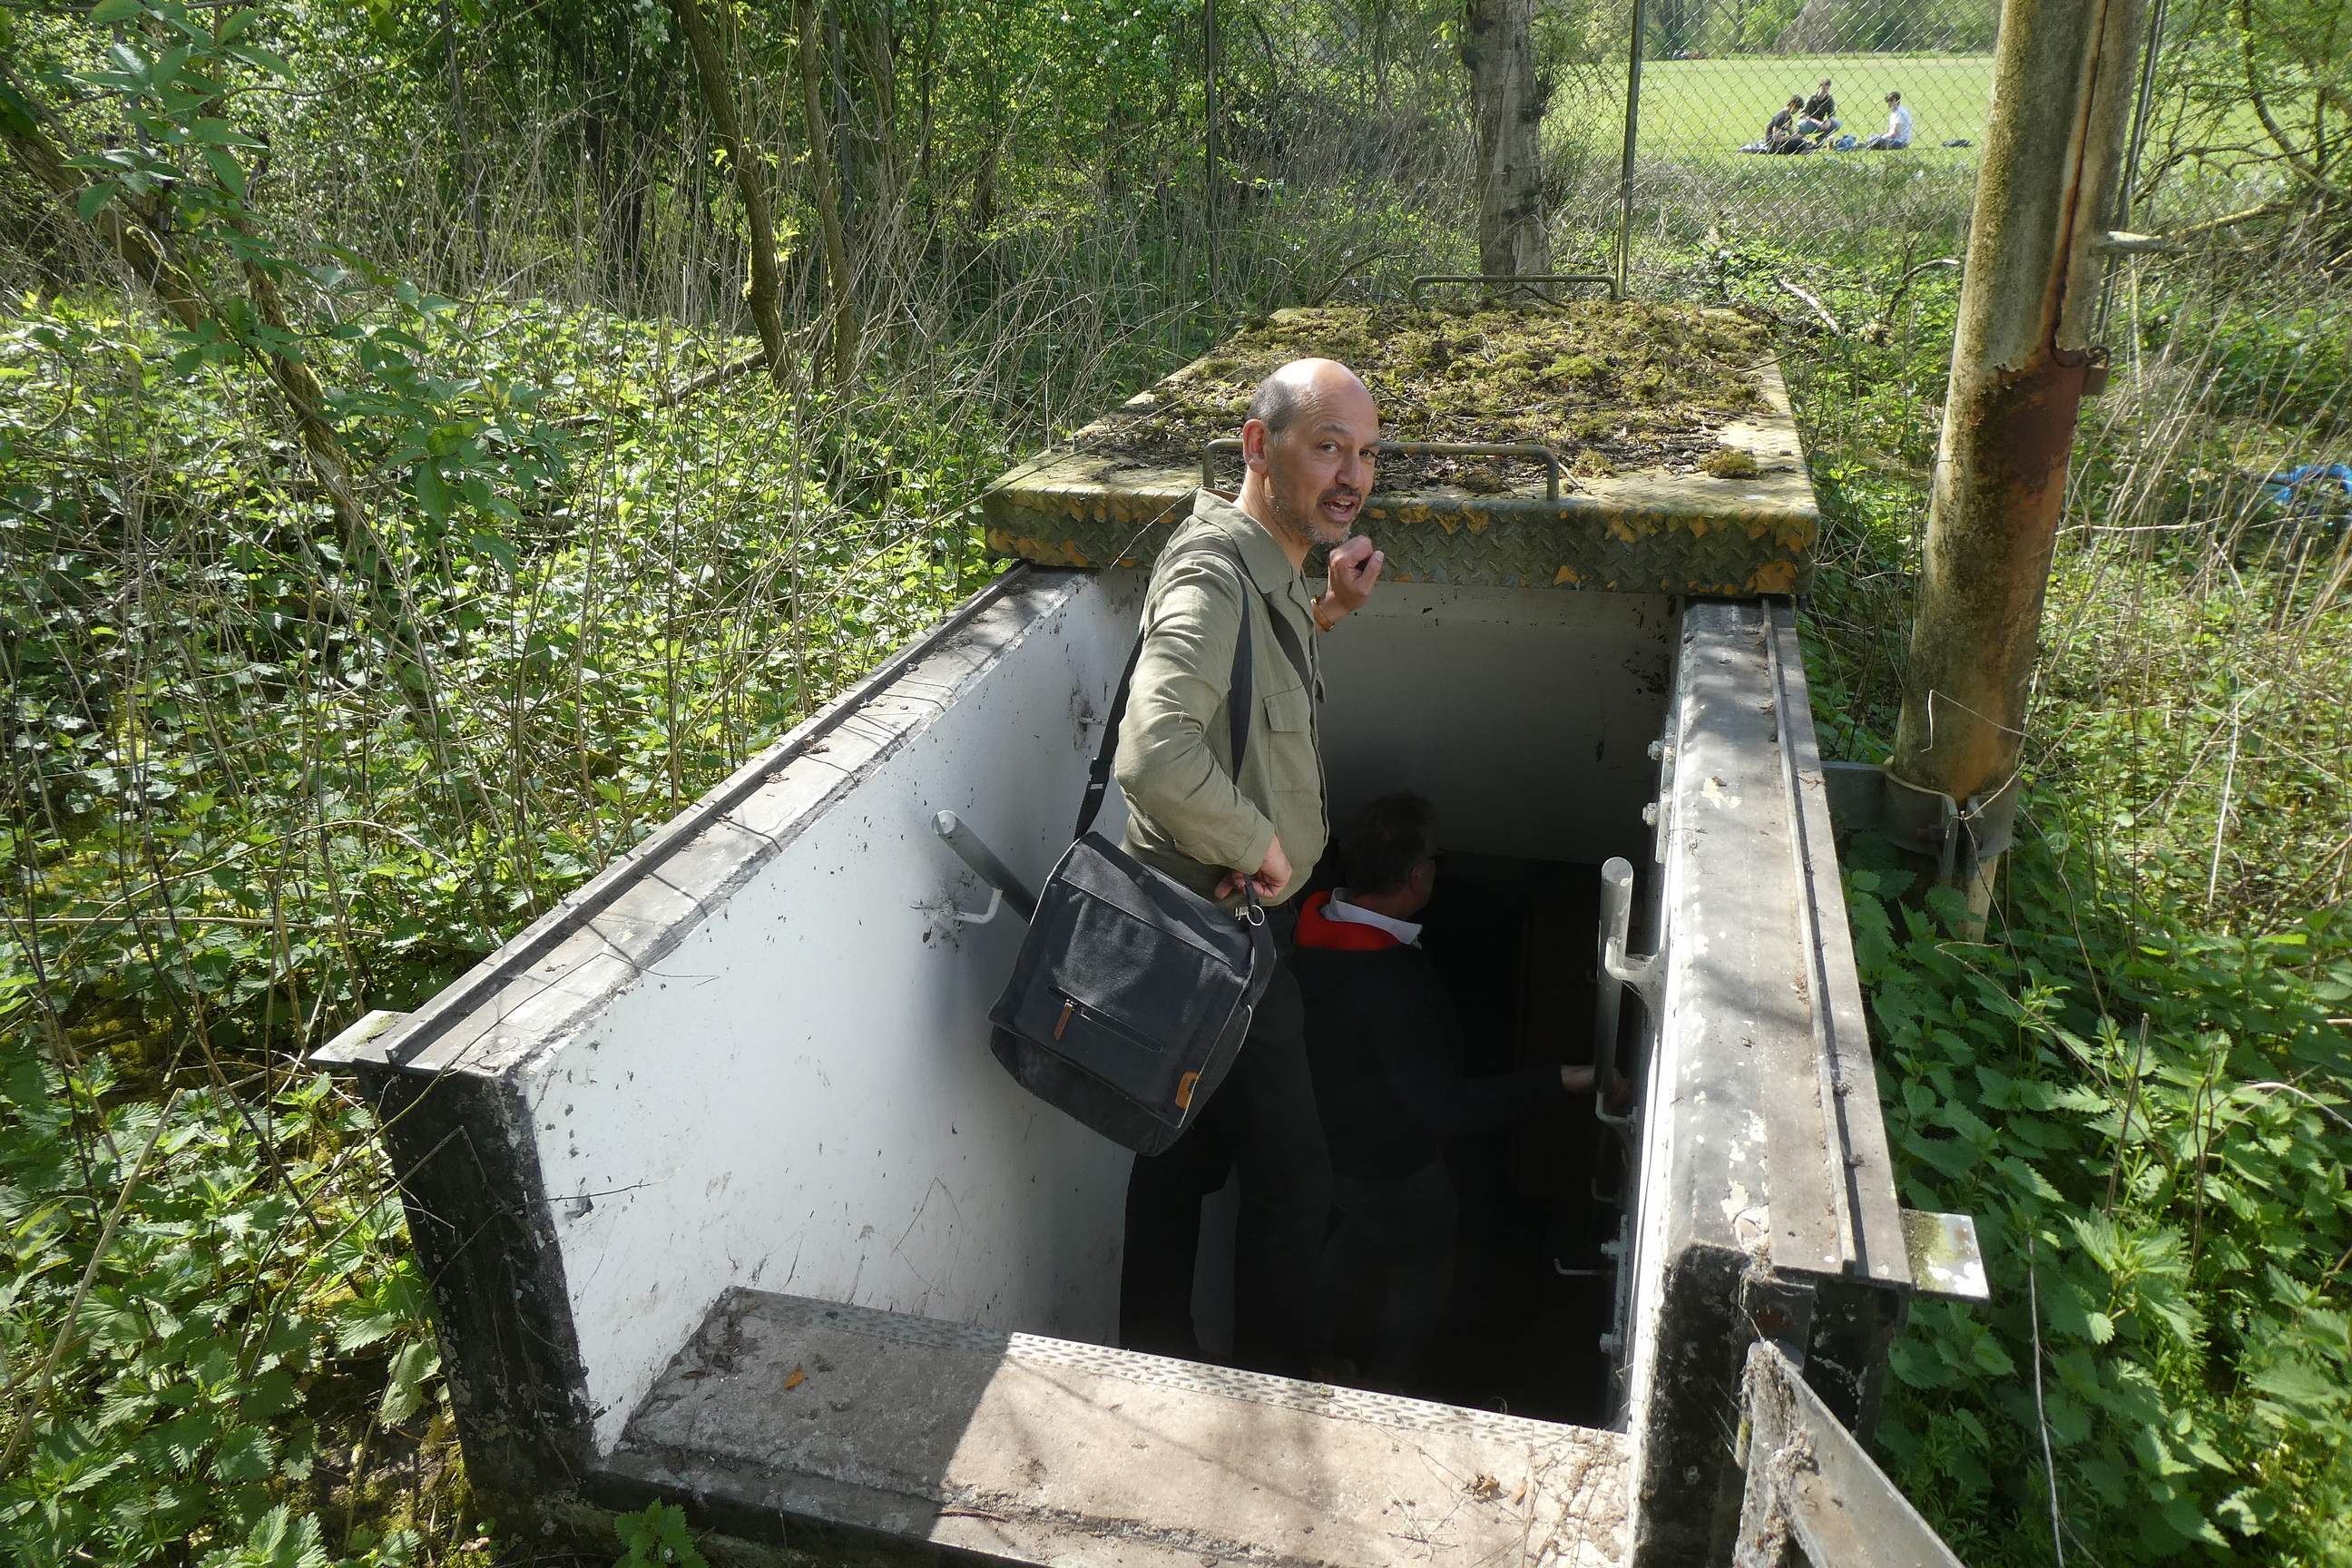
[[1413, 289], [987, 868], [1553, 468], [1647, 976]]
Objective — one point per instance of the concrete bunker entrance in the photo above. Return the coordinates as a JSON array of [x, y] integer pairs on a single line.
[[1529, 719], [770, 1180], [726, 1200]]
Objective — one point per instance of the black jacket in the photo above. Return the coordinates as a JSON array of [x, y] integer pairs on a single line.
[[1386, 1048]]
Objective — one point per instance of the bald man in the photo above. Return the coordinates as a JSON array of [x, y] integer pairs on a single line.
[[1309, 444]]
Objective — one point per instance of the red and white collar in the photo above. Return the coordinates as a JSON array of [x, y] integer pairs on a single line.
[[1327, 921]]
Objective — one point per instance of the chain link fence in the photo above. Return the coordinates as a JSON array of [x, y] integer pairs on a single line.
[[1692, 148]]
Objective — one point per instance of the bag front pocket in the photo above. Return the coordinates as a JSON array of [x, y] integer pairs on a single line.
[[1147, 1070]]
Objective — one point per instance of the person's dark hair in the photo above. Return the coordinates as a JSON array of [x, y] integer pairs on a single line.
[[1796, 103], [1384, 841], [1277, 401]]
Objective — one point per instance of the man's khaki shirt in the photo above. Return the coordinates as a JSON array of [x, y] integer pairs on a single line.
[[1188, 815]]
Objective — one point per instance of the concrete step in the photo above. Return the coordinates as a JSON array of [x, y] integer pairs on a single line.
[[1049, 1451]]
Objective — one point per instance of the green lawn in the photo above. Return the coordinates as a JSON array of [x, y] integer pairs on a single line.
[[1707, 108]]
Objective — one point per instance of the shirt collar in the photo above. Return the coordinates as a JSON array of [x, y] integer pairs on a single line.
[[1338, 908], [1263, 553]]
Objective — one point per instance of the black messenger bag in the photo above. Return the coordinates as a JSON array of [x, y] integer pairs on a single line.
[[1132, 994]]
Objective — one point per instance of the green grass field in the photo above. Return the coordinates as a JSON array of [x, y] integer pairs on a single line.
[[1694, 110]]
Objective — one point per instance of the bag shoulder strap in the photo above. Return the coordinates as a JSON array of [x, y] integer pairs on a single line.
[[1283, 632], [1239, 696]]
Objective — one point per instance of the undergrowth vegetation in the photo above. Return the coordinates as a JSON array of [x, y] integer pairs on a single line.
[[2135, 1077], [363, 601]]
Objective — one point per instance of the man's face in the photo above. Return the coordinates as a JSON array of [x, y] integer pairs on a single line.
[[1319, 471]]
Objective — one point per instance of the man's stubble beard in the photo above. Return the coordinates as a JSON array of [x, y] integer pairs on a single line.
[[1312, 528]]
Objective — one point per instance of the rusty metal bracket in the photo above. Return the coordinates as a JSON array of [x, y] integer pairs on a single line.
[[2095, 372], [1553, 468], [1865, 797], [1781, 1310], [1413, 289]]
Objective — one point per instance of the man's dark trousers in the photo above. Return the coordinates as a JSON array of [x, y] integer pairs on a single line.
[[1262, 1119]]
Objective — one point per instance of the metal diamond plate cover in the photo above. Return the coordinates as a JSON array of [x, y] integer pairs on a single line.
[[1644, 532]]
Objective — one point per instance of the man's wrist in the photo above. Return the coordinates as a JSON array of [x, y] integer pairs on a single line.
[[1315, 612]]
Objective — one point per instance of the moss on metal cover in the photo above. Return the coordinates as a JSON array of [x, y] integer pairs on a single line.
[[1612, 387], [1684, 471]]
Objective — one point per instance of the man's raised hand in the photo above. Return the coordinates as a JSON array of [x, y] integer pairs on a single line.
[[1355, 567]]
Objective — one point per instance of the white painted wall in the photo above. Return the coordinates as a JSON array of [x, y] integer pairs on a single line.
[[800, 1096], [1525, 715]]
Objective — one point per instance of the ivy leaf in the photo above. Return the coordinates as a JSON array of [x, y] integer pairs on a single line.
[[106, 13], [432, 494]]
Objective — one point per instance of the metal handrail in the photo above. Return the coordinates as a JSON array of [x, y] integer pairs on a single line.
[[1609, 991], [1413, 289], [974, 853], [1544, 455]]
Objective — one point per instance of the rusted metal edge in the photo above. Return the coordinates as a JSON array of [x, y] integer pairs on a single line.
[[1527, 449], [1861, 1171], [1810, 1484]]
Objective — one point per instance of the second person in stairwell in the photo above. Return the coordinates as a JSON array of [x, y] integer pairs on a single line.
[[1384, 1047]]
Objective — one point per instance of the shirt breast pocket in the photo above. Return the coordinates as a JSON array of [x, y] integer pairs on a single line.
[[1289, 710]]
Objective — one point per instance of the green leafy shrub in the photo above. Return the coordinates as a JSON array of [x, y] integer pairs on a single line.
[[2146, 1126], [209, 1313]]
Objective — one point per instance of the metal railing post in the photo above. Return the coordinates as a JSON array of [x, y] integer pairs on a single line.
[[1633, 135], [1211, 153]]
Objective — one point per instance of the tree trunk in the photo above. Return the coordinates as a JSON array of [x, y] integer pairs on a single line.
[[718, 101], [142, 249], [815, 72], [468, 164], [1508, 107], [925, 123], [873, 73]]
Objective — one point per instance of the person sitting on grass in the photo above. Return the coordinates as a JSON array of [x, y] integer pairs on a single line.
[[1897, 134], [1780, 132], [1819, 116], [1385, 1050]]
